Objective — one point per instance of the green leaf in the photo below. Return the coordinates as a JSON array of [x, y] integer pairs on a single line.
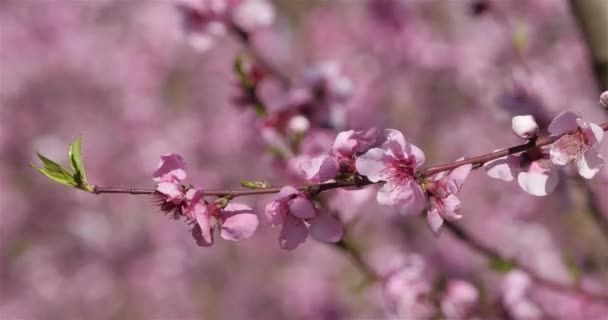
[[52, 166], [500, 265], [77, 164], [74, 178], [55, 172]]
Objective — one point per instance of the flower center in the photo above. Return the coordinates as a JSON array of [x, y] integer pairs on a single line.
[[574, 145], [401, 170]]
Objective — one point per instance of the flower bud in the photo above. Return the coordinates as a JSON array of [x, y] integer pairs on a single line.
[[604, 100], [524, 126]]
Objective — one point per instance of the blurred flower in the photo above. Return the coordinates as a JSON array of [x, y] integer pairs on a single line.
[[516, 296], [578, 145], [395, 162], [298, 216], [405, 289], [442, 192], [236, 221], [203, 20], [459, 300], [524, 126], [533, 169], [320, 169]]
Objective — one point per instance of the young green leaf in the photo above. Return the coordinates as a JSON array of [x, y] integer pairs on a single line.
[[55, 172], [77, 164]]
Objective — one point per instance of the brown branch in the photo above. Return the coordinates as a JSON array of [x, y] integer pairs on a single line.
[[492, 254], [359, 182]]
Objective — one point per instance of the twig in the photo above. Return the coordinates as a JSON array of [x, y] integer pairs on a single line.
[[477, 162]]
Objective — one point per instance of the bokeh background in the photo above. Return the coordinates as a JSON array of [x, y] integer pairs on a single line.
[[123, 75]]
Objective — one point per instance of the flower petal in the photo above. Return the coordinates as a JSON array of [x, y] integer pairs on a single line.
[[595, 136], [172, 190], [504, 168], [563, 123], [434, 220], [590, 164], [286, 192], [320, 169], [409, 197], [171, 168], [275, 211], [372, 164], [238, 222], [538, 182], [293, 233], [344, 144], [197, 235], [455, 179], [326, 228], [450, 207], [302, 208]]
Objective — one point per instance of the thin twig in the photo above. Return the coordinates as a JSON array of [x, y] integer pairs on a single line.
[[477, 162]]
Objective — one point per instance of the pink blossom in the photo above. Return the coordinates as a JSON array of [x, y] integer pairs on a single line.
[[236, 221], [533, 170], [442, 192], [170, 172], [395, 163], [579, 145], [348, 143], [299, 217], [459, 300]]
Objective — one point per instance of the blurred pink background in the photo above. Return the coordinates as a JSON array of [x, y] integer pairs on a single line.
[[121, 74]]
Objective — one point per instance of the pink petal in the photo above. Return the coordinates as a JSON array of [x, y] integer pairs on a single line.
[[434, 220], [171, 190], [563, 123], [537, 182], [409, 197], [502, 168], [393, 135], [293, 233], [203, 219], [590, 164], [171, 168], [320, 169], [326, 228], [593, 133], [302, 208], [449, 208], [197, 235], [416, 153], [286, 192], [456, 177], [238, 222], [344, 144], [275, 211], [372, 164]]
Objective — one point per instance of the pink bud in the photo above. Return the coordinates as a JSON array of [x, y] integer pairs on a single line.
[[604, 100], [524, 126]]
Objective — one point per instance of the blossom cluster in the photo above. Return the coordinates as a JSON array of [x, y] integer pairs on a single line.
[[387, 159]]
